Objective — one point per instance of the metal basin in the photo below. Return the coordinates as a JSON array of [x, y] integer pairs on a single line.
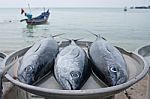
[[144, 51], [92, 89], [2, 56]]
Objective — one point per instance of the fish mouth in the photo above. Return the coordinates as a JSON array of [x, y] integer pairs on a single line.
[[118, 81], [114, 83], [122, 78], [21, 78], [70, 87], [66, 84], [25, 77], [121, 81]]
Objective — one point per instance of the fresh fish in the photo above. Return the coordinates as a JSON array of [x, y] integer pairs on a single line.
[[38, 60], [71, 67], [109, 64]]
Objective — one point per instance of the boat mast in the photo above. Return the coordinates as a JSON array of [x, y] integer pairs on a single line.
[[44, 9], [29, 6]]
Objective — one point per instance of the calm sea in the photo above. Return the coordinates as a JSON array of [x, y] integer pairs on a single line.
[[128, 30]]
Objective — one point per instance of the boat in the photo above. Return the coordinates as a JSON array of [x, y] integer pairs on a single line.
[[125, 9], [140, 7], [41, 19]]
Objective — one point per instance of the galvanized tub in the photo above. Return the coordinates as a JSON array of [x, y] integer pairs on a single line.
[[2, 70], [92, 89], [2, 56], [144, 51]]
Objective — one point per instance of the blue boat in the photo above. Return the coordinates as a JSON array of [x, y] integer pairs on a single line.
[[41, 19]]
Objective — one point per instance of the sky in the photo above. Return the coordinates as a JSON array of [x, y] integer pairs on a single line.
[[72, 3]]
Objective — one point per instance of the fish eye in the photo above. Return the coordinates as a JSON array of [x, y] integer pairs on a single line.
[[29, 68], [75, 74], [113, 69]]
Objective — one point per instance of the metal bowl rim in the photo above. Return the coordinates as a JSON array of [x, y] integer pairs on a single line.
[[139, 48], [81, 92]]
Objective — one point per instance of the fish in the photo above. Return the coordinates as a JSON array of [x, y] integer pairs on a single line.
[[109, 64], [38, 60], [71, 69]]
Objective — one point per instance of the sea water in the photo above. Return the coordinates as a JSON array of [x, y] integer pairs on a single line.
[[129, 30]]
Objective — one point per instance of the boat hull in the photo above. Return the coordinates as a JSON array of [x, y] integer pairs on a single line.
[[41, 19], [36, 22]]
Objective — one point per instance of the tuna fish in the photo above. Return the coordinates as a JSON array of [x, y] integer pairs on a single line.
[[38, 60], [71, 67], [109, 63]]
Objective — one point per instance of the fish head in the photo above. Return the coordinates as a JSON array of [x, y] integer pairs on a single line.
[[27, 69], [112, 79], [72, 81], [27, 75], [117, 75], [122, 76]]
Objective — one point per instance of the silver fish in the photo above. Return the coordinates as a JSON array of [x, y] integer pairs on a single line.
[[38, 60], [109, 64], [71, 67]]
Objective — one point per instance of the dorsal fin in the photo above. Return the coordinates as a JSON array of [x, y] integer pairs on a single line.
[[100, 37], [53, 36], [58, 35], [72, 41], [97, 35], [92, 33]]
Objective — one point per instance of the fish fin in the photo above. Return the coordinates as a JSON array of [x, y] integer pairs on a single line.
[[97, 35], [92, 33], [100, 37], [104, 38], [58, 35], [7, 67], [72, 41], [37, 48], [52, 35], [59, 43], [20, 60], [15, 68], [65, 38], [87, 45], [123, 50], [78, 39]]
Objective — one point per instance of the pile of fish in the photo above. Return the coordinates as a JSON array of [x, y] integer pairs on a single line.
[[72, 65]]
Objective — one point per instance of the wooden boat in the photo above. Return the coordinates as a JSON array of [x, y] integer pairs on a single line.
[[41, 19]]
